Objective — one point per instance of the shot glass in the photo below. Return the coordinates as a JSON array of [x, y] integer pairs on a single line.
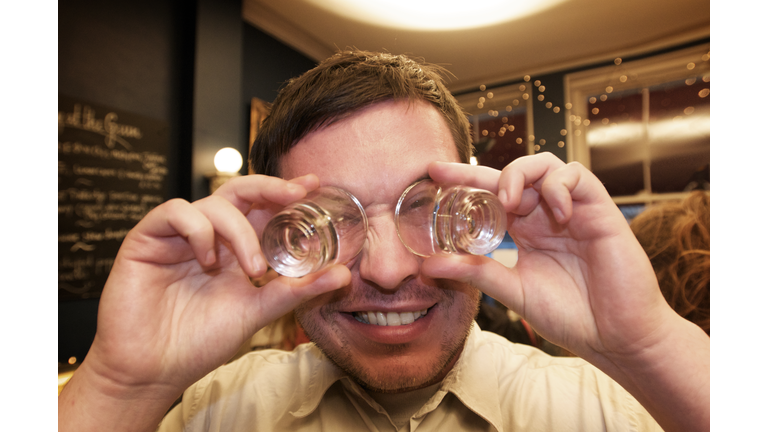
[[328, 226], [431, 218]]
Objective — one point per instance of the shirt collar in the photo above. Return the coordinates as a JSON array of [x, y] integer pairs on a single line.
[[322, 374], [472, 380]]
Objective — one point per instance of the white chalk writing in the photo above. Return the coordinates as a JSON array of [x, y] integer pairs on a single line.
[[84, 117]]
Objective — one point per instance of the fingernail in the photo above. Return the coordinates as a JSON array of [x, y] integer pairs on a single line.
[[294, 188], [503, 196], [210, 257], [255, 264], [558, 214]]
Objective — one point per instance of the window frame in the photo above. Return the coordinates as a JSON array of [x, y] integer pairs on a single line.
[[644, 73], [502, 96]]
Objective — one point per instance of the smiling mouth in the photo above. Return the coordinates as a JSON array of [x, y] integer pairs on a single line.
[[389, 318]]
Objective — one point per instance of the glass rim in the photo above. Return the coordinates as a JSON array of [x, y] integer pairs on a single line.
[[397, 214]]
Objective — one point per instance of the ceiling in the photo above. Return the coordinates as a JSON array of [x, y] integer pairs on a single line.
[[570, 34]]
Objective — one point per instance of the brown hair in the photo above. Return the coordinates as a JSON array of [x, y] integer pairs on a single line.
[[343, 84], [675, 236]]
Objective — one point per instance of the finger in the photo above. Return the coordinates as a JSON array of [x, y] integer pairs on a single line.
[[256, 189], [178, 217], [481, 177], [557, 190], [479, 271], [309, 181], [520, 181], [575, 184], [284, 294], [232, 226]]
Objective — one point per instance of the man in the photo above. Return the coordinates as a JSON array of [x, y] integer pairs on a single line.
[[178, 302]]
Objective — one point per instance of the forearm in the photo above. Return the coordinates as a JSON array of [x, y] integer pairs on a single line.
[[670, 379], [93, 403]]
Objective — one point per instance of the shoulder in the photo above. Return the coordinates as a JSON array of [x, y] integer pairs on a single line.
[[536, 387], [259, 388], [511, 355], [519, 365]]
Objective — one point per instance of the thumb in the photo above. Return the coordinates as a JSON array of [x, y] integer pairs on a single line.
[[483, 273], [283, 294]]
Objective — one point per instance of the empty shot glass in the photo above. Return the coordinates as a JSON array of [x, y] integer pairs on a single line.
[[431, 218], [328, 226]]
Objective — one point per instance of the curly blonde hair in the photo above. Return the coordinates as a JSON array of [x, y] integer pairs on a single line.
[[675, 235]]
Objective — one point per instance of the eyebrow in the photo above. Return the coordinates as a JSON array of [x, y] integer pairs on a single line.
[[424, 177]]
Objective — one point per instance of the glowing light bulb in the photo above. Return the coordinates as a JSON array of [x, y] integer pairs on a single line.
[[228, 160]]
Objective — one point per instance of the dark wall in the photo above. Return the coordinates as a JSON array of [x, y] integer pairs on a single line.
[[268, 64], [140, 57], [137, 57], [547, 124]]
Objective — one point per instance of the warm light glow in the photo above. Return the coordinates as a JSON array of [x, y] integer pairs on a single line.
[[435, 15], [473, 160], [228, 160], [694, 126]]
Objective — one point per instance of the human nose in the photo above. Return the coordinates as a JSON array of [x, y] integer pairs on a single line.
[[384, 260]]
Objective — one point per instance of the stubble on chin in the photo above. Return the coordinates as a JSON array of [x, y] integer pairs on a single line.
[[403, 372]]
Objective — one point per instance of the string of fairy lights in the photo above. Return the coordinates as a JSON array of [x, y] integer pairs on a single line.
[[618, 79]]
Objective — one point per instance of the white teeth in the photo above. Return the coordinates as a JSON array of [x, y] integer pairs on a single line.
[[405, 318], [389, 318], [393, 319]]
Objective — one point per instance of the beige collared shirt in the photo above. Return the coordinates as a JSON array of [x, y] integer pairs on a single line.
[[495, 386]]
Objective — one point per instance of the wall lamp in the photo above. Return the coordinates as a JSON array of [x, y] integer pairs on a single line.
[[228, 162]]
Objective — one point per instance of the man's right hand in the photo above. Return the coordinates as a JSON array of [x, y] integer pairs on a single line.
[[178, 303]]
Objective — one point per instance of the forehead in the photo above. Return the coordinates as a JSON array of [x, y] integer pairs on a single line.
[[385, 146]]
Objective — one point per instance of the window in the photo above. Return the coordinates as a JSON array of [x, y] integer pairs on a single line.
[[642, 127], [501, 123]]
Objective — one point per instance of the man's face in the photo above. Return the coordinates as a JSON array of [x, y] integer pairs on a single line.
[[376, 154]]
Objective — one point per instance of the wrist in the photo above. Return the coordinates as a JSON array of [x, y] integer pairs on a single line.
[[670, 376], [93, 402]]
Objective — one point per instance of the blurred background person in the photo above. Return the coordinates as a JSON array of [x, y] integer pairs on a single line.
[[675, 235]]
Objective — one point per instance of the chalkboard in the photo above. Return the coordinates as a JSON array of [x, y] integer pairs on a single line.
[[112, 171]]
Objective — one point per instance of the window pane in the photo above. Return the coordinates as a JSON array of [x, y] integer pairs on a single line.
[[678, 133], [615, 136], [502, 138]]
